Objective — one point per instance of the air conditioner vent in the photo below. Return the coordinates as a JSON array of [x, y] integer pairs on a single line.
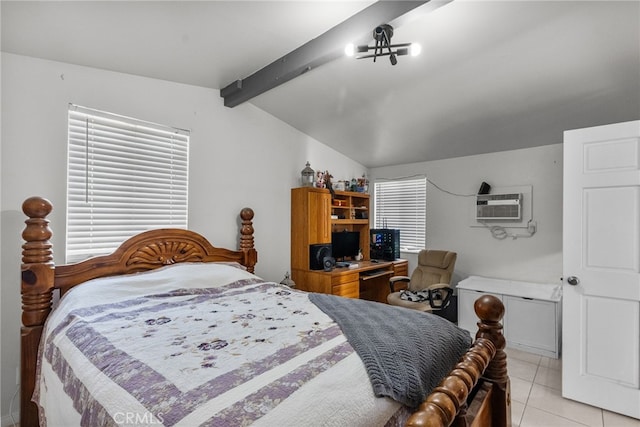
[[499, 206]]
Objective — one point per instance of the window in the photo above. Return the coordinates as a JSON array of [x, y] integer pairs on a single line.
[[401, 204], [125, 176]]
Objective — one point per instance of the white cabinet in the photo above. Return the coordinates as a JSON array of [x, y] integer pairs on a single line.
[[532, 312]]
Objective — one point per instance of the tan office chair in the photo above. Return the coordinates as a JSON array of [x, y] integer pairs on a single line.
[[429, 284]]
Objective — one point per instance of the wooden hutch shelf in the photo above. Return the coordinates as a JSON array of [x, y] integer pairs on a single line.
[[314, 216]]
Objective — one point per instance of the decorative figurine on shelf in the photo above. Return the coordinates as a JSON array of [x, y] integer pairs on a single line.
[[328, 184], [319, 179], [287, 281], [307, 176], [354, 185], [362, 184], [359, 257]]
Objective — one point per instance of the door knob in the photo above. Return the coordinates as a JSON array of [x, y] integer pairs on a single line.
[[573, 280]]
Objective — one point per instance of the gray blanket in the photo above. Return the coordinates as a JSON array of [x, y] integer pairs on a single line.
[[406, 353]]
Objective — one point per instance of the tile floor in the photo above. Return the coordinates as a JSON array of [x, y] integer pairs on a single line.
[[536, 399]]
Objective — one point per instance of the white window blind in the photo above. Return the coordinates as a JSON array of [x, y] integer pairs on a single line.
[[401, 204], [125, 176]]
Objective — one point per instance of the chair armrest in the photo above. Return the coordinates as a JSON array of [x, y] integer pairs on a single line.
[[397, 279], [442, 302]]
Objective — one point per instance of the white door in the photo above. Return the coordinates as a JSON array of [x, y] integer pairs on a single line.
[[601, 263]]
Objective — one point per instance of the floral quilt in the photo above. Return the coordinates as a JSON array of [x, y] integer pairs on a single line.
[[223, 355]]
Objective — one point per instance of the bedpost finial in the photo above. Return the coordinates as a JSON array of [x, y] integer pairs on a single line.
[[246, 230], [246, 214], [489, 308], [37, 233], [37, 268], [36, 207]]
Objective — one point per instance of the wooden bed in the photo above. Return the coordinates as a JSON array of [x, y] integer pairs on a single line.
[[475, 393]]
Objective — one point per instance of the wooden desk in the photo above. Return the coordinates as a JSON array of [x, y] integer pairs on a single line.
[[369, 280]]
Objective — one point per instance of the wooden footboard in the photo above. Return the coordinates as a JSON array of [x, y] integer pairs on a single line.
[[477, 391]]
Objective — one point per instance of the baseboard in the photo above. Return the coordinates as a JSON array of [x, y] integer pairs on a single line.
[[6, 420]]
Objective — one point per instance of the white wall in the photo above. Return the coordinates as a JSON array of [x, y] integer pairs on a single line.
[[239, 157], [536, 259], [1, 283]]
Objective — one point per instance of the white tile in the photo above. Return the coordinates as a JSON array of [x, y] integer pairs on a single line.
[[612, 419], [549, 377], [519, 369], [550, 400], [525, 356], [533, 417], [520, 389], [517, 409], [548, 362]]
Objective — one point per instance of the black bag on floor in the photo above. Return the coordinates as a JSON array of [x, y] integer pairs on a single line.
[[450, 310]]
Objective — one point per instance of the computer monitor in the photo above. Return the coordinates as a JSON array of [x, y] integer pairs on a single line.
[[345, 244]]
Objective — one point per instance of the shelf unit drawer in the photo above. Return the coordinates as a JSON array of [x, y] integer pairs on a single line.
[[344, 278], [349, 290]]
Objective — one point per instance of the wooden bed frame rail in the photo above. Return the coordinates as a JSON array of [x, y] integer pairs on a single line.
[[475, 393]]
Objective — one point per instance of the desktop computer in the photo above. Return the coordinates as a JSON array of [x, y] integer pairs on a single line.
[[384, 244]]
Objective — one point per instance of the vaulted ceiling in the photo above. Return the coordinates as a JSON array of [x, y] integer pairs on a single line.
[[492, 76]]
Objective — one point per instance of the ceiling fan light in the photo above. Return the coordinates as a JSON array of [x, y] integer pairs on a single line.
[[349, 49], [415, 49], [382, 35]]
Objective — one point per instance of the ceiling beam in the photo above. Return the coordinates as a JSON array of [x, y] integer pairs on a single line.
[[322, 49]]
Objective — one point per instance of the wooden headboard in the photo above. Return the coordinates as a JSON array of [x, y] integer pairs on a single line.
[[145, 251]]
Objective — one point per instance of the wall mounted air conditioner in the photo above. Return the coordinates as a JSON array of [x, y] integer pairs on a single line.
[[499, 206]]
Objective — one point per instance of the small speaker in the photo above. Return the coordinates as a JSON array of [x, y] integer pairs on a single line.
[[317, 254], [328, 263], [484, 188]]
